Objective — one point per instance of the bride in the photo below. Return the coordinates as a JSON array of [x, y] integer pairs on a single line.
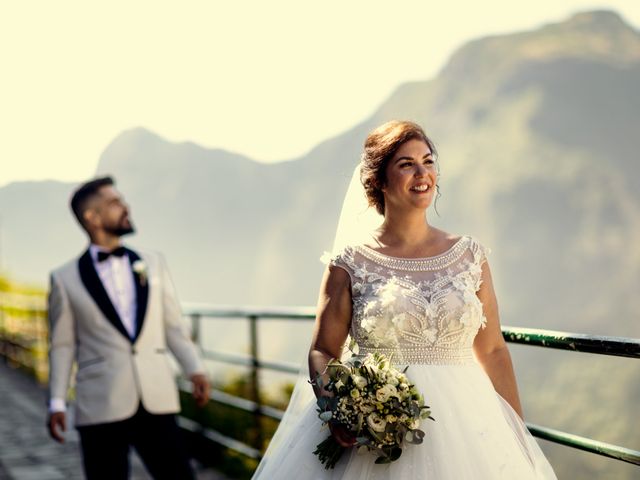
[[425, 298]]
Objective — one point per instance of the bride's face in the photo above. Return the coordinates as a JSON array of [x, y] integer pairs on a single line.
[[411, 177]]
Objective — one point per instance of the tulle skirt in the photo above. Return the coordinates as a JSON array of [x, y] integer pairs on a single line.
[[476, 435]]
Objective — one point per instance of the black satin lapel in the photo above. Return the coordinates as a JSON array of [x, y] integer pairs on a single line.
[[94, 286], [142, 291]]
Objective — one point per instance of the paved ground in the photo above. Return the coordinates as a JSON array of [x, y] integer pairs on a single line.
[[27, 452]]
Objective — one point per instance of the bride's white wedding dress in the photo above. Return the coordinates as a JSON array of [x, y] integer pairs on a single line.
[[424, 313]]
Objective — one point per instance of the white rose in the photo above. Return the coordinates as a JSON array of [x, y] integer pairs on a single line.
[[376, 422], [385, 393], [139, 267], [359, 381]]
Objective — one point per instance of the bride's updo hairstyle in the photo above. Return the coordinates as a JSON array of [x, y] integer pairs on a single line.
[[380, 147]]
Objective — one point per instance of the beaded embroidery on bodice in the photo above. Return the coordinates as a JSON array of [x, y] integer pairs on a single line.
[[418, 310]]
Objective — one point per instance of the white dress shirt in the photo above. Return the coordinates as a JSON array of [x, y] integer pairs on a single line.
[[116, 276]]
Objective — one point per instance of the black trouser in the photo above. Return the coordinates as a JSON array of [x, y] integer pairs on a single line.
[[156, 438]]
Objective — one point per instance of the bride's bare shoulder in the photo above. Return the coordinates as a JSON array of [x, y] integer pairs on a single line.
[[445, 239]]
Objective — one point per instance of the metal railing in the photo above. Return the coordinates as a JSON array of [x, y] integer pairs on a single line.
[[253, 405], [24, 345], [602, 345]]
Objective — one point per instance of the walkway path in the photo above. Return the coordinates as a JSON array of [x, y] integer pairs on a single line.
[[27, 452]]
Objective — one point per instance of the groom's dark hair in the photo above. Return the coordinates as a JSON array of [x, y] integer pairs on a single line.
[[82, 195]]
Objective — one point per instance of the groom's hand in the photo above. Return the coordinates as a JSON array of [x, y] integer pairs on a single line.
[[200, 390], [57, 423]]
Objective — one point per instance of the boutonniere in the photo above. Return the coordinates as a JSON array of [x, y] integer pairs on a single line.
[[140, 269]]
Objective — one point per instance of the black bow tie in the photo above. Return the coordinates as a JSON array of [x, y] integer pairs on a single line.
[[117, 252]]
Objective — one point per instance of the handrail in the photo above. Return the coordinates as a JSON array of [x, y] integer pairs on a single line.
[[235, 311], [586, 444], [578, 342]]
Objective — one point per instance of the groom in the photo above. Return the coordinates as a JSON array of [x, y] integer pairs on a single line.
[[115, 312]]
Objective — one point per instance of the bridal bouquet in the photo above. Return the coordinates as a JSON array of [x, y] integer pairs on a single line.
[[375, 403]]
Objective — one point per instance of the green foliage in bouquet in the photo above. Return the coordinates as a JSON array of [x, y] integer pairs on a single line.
[[375, 403]]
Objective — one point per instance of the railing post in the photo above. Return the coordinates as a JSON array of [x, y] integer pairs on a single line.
[[41, 364], [254, 382], [196, 325]]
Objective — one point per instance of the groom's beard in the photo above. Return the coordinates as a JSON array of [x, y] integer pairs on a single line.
[[124, 227], [121, 231]]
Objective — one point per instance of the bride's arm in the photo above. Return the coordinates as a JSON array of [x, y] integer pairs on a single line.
[[331, 329], [491, 349], [332, 322]]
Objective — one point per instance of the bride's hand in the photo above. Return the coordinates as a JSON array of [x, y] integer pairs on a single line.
[[342, 435]]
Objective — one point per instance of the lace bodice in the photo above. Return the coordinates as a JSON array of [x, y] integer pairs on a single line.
[[419, 310]]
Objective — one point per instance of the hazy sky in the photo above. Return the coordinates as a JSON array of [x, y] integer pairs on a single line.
[[269, 79]]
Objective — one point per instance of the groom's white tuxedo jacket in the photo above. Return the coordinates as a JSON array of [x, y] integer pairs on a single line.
[[116, 372]]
